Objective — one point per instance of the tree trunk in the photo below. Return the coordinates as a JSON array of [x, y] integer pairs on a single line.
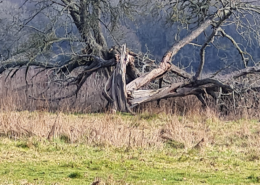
[[115, 89]]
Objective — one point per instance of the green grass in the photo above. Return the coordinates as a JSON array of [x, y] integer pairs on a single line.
[[44, 162], [230, 154]]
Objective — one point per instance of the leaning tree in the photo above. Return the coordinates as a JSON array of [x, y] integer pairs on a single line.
[[87, 24]]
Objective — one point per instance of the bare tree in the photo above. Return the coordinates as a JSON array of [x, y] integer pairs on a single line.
[[93, 18]]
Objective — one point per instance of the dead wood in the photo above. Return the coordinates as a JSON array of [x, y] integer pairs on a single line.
[[126, 86]]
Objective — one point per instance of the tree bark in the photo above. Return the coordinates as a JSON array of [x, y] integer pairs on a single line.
[[115, 89]]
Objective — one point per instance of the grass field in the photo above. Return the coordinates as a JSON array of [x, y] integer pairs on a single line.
[[45, 148]]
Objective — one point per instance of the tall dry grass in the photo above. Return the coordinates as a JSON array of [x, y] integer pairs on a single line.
[[16, 94], [181, 120], [145, 131]]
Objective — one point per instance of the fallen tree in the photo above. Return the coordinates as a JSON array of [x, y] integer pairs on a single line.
[[119, 64]]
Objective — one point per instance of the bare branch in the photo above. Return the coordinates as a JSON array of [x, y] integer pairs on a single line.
[[165, 64], [242, 53]]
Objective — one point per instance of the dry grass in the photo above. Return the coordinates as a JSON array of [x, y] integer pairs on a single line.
[[178, 134], [182, 119], [141, 131], [15, 95], [98, 129]]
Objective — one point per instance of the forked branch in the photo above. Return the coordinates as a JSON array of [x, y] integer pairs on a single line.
[[242, 53]]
